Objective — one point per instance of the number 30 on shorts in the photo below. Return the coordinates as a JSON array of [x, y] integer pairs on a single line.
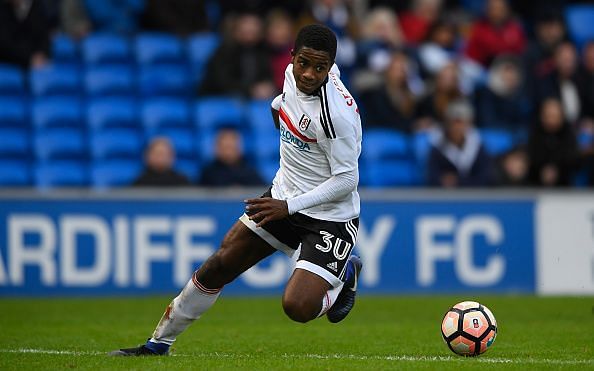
[[340, 247]]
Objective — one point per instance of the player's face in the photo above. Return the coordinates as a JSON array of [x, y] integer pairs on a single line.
[[310, 68]]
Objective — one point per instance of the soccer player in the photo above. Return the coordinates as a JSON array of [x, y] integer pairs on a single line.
[[313, 203]]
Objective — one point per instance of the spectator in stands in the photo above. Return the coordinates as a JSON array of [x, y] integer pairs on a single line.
[[439, 46], [24, 33], [391, 105], [416, 22], [512, 168], [279, 38], [381, 35], [241, 66], [158, 171], [549, 33], [338, 16], [457, 157], [115, 15], [502, 102], [74, 18], [446, 89], [552, 147], [586, 76], [229, 168], [563, 83], [180, 17], [498, 33]]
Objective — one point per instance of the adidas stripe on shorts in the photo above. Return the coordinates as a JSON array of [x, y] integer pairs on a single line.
[[325, 245]]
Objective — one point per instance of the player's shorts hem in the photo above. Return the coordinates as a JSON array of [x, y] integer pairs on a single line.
[[266, 236], [317, 270]]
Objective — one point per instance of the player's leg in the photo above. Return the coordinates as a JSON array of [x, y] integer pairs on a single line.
[[326, 274], [239, 250]]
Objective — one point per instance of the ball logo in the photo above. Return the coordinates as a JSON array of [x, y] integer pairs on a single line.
[[304, 122], [475, 323]]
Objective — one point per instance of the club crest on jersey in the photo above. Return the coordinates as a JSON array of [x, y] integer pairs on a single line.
[[304, 122]]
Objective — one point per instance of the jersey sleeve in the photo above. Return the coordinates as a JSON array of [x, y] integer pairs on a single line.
[[276, 102], [342, 146]]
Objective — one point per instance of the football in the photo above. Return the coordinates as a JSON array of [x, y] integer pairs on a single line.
[[469, 328]]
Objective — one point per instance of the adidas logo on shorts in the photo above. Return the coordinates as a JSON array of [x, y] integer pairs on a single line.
[[333, 266]]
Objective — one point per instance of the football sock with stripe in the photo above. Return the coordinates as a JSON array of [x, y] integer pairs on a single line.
[[329, 299], [188, 306]]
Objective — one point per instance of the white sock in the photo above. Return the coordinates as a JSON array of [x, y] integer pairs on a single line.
[[329, 299], [187, 307]]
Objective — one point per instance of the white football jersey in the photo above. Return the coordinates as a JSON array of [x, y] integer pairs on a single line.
[[320, 136]]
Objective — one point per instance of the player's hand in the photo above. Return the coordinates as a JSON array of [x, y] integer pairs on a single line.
[[266, 209]]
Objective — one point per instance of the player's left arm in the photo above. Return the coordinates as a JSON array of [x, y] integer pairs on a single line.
[[274, 108]]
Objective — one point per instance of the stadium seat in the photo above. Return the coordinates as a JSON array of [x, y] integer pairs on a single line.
[[12, 112], [109, 81], [56, 112], [213, 113], [268, 169], [201, 47], [55, 144], [421, 147], [259, 117], [116, 144], [266, 146], [114, 173], [497, 141], [189, 168], [381, 144], [14, 142], [165, 80], [55, 80], [182, 140], [164, 113], [61, 174], [12, 81], [64, 49], [580, 23], [158, 48], [106, 48], [14, 173], [105, 113], [390, 173]]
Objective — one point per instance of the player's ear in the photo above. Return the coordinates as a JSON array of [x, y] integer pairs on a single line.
[[293, 55]]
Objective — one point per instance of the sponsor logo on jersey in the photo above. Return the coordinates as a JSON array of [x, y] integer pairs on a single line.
[[304, 122], [288, 137]]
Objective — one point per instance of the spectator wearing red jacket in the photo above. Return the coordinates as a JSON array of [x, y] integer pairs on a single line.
[[498, 33]]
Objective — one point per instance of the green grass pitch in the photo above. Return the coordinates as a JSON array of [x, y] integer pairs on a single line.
[[253, 333]]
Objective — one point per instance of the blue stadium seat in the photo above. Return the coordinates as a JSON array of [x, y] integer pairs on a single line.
[[106, 48], [201, 47], [12, 81], [164, 113], [213, 113], [64, 49], [259, 117], [61, 174], [387, 173], [158, 48], [266, 146], [14, 142], [56, 112], [56, 144], [12, 112], [165, 80], [421, 147], [189, 168], [14, 173], [580, 23], [114, 173], [116, 144], [110, 81], [112, 113], [182, 140], [383, 144], [268, 169], [497, 141], [55, 80]]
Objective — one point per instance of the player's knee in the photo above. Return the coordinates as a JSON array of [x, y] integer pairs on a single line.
[[298, 310]]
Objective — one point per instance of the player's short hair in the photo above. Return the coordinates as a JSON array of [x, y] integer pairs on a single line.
[[318, 37]]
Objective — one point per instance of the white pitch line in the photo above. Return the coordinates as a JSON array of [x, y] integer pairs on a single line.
[[354, 357]]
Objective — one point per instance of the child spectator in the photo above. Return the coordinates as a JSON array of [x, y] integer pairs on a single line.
[[158, 171]]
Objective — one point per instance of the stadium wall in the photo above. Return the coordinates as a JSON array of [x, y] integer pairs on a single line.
[[411, 242]]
